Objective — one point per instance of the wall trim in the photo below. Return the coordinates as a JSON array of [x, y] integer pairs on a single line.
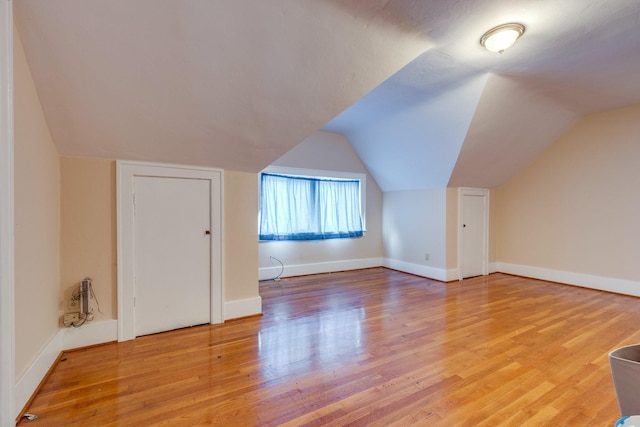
[[28, 383], [90, 334], [7, 274], [609, 284], [242, 308], [493, 267], [483, 192], [268, 273], [126, 171], [452, 274], [65, 339], [420, 270]]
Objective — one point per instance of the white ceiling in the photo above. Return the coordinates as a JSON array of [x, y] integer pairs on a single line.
[[236, 84]]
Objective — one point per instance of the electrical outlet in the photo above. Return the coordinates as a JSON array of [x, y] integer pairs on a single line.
[[71, 318], [426, 257]]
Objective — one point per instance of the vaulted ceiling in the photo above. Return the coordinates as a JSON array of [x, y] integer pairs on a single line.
[[236, 84]]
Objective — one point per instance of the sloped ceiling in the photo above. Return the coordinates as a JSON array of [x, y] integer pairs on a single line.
[[410, 137], [576, 57], [231, 84], [236, 84], [511, 126]]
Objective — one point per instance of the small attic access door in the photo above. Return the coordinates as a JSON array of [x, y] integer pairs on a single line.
[[165, 248], [172, 232], [473, 225]]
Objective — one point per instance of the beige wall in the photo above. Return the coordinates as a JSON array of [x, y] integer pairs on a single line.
[[329, 152], [37, 220], [240, 235], [493, 225], [89, 231], [576, 207]]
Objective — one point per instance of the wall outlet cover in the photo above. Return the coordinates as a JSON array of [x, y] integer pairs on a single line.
[[71, 317]]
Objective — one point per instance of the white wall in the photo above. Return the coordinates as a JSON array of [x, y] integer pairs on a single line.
[[415, 225], [330, 152]]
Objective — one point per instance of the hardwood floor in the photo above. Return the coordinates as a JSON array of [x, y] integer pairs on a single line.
[[372, 347]]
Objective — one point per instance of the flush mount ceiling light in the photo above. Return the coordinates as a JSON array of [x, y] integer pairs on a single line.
[[501, 37]]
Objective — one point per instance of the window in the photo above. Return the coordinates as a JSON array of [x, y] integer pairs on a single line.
[[309, 206]]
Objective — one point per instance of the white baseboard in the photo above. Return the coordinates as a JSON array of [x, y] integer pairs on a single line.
[[90, 334], [609, 284], [31, 378], [268, 273], [493, 267], [452, 274], [242, 308], [64, 339], [420, 270]]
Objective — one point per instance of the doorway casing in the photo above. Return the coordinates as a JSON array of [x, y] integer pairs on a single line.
[[126, 172], [484, 193], [7, 276]]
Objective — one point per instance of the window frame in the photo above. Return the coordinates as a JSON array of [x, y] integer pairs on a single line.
[[316, 173]]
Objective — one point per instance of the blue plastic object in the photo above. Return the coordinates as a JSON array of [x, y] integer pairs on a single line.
[[628, 421]]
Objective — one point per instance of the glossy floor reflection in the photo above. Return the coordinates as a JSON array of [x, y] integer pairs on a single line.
[[370, 347]]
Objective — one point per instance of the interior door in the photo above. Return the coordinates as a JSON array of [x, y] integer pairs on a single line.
[[172, 252], [473, 235]]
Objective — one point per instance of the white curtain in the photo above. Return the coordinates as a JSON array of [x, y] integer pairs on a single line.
[[305, 208]]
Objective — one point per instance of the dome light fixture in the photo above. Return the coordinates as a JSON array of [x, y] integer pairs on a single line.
[[501, 37]]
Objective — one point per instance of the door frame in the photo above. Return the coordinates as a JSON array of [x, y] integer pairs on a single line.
[[467, 191], [8, 411], [126, 171]]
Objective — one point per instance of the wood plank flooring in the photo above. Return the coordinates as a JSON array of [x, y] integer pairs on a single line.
[[373, 347]]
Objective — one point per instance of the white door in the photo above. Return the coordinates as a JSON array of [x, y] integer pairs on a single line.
[[473, 223], [172, 253]]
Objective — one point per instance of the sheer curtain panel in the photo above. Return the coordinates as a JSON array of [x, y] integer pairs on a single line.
[[309, 208]]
